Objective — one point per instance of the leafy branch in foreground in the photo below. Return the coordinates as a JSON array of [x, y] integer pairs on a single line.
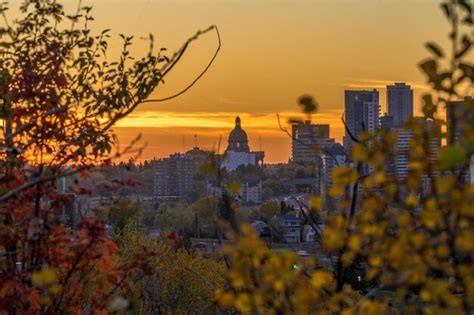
[[409, 238], [60, 96]]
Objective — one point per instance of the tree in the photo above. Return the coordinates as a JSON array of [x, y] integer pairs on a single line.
[[163, 217], [176, 280], [267, 193], [410, 237], [269, 209], [60, 96], [123, 211]]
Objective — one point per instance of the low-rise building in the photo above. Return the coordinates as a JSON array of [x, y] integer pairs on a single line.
[[290, 225], [250, 193]]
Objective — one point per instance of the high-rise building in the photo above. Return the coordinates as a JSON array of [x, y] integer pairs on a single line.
[[361, 112], [400, 103], [332, 157], [173, 176], [306, 138], [402, 149], [459, 118], [403, 146], [386, 122], [458, 115]]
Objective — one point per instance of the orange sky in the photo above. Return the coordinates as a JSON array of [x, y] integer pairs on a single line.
[[273, 51]]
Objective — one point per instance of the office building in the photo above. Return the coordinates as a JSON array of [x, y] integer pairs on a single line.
[[361, 113], [386, 122], [400, 103]]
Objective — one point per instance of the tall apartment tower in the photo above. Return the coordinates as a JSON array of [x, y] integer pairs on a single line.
[[403, 146], [400, 103], [459, 119], [459, 115], [361, 112], [307, 136]]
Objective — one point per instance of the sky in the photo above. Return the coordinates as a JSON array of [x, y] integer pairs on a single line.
[[273, 51]]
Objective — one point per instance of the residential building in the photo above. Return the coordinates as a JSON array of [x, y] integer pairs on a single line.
[[290, 225], [403, 146], [251, 193], [400, 103], [402, 150], [307, 138], [332, 157], [173, 176]]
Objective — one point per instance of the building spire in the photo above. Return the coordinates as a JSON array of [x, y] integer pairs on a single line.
[[237, 121]]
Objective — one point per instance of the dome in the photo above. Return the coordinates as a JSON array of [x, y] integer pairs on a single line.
[[238, 140]]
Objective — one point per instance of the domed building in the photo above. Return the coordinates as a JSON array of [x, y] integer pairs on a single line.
[[238, 141], [238, 151]]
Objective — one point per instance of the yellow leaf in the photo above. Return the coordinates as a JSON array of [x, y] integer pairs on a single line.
[[354, 242], [336, 191], [321, 279], [235, 187], [315, 202], [412, 200], [44, 277], [359, 153], [344, 175], [332, 239]]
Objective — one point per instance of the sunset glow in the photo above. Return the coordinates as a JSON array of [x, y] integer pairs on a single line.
[[273, 51]]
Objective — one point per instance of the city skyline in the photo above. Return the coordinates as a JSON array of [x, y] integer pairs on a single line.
[[187, 140], [272, 52]]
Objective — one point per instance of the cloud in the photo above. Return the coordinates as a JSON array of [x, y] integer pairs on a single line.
[[357, 83], [217, 121]]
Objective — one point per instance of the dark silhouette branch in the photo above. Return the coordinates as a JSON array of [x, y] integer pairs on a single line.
[[178, 57]]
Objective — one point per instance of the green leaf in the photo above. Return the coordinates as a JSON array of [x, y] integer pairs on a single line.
[[429, 108], [207, 168], [451, 157], [430, 67], [435, 49], [466, 6], [234, 187], [468, 70], [466, 47], [308, 104], [447, 10]]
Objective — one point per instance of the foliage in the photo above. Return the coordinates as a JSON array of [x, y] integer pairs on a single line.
[[175, 280], [409, 238], [269, 209], [60, 95], [124, 211]]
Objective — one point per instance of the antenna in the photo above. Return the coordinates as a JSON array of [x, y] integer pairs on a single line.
[[260, 143], [184, 143], [195, 140]]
